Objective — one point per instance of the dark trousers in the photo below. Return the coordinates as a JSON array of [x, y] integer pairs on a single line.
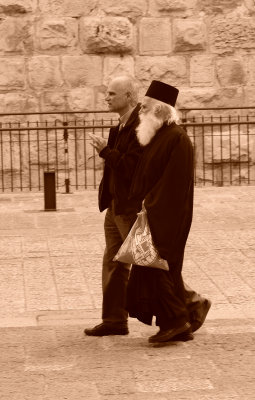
[[115, 274]]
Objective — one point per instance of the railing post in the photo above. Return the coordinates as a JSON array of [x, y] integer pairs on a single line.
[[67, 185], [50, 191], [184, 119], [67, 180]]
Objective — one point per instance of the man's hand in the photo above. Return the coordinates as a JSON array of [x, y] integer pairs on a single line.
[[98, 143]]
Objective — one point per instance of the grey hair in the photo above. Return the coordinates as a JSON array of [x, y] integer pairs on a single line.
[[168, 113]]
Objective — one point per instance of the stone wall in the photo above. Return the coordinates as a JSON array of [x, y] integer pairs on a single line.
[[59, 54]]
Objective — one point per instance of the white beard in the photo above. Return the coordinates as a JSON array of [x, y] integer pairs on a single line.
[[146, 130]]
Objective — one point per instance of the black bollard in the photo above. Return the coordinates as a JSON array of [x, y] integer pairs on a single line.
[[49, 191]]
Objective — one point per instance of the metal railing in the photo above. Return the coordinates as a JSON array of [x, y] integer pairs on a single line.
[[31, 144], [224, 142]]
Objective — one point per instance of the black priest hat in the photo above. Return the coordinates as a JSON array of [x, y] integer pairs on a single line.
[[163, 92]]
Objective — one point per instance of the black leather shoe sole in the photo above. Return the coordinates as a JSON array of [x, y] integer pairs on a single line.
[[106, 330], [169, 334], [183, 337]]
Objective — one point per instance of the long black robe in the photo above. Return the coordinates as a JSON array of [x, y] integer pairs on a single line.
[[164, 178]]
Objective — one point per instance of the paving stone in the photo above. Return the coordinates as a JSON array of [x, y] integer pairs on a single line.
[[14, 385], [10, 247], [11, 286], [71, 286], [35, 246], [61, 246], [73, 388], [40, 288]]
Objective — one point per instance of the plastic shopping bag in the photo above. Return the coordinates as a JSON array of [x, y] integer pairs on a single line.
[[138, 247]]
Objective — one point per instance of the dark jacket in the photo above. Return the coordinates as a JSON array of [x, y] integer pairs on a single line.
[[121, 156], [164, 178]]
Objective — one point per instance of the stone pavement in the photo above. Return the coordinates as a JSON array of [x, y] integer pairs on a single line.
[[50, 289]]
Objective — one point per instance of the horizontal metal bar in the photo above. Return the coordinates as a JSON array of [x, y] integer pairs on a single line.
[[217, 123], [58, 112], [217, 108], [59, 127], [75, 127], [108, 112]]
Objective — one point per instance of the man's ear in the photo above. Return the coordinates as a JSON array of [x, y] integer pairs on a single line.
[[129, 95], [157, 109]]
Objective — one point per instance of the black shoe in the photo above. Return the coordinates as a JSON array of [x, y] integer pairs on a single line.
[[183, 337], [198, 316], [169, 334], [106, 330]]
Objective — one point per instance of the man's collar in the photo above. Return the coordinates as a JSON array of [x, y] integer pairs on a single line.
[[124, 118]]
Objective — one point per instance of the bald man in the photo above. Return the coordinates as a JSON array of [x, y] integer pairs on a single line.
[[121, 153]]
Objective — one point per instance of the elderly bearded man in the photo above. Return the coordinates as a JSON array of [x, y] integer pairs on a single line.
[[121, 154], [164, 180]]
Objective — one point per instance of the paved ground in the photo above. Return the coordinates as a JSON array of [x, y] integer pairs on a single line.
[[50, 289]]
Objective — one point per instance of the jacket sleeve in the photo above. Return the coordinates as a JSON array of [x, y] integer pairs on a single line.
[[169, 204], [123, 163]]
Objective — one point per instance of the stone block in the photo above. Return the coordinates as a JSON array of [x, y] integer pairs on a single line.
[[219, 147], [180, 8], [230, 71], [17, 102], [100, 102], [12, 73], [44, 72], [171, 5], [202, 71], [155, 36], [116, 65], [210, 97], [84, 70], [16, 35], [16, 7], [131, 9], [189, 35], [218, 6], [250, 5], [229, 34], [74, 8], [106, 35], [250, 62], [53, 101], [249, 93], [80, 99], [56, 33], [169, 69], [14, 102]]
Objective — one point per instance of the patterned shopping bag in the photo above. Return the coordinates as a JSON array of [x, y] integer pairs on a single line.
[[138, 247]]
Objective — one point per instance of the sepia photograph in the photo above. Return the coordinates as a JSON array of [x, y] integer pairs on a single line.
[[127, 199]]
